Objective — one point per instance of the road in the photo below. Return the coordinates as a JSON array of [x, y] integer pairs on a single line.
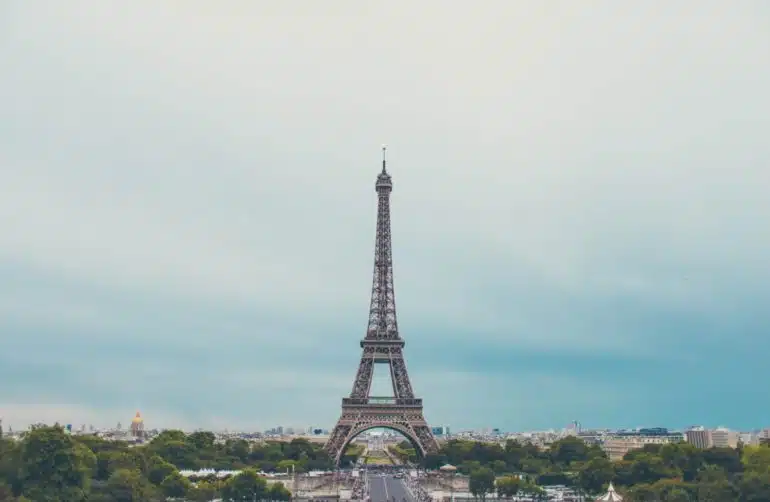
[[385, 488]]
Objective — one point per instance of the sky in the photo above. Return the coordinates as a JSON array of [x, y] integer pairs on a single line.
[[579, 212]]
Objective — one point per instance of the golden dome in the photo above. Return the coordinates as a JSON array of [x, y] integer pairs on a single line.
[[137, 419]]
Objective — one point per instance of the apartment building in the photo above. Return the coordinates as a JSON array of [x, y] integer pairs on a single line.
[[618, 444], [724, 438], [700, 437]]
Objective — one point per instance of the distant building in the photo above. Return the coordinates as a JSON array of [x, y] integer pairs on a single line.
[[441, 431], [137, 427], [617, 444], [720, 437], [749, 438], [662, 432], [724, 438], [700, 437], [617, 447]]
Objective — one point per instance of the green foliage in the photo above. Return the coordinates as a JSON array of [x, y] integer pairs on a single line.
[[204, 491], [158, 469], [50, 465], [481, 482], [594, 475], [404, 451], [278, 491], [756, 459], [127, 485], [671, 472], [351, 454], [109, 461], [508, 486], [175, 485], [247, 485], [568, 450]]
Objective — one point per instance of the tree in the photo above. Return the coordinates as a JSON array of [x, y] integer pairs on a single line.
[[683, 457], [508, 486], [674, 490], [278, 491], [175, 485], [285, 466], [6, 492], [433, 461], [756, 459], [568, 450], [555, 477], [204, 491], [247, 485], [534, 465], [481, 482], [728, 459], [498, 466], [531, 490], [469, 466], [158, 469], [642, 492], [109, 461], [127, 485], [201, 440], [9, 466], [754, 487], [180, 453], [169, 435], [595, 474], [52, 467], [239, 449], [713, 485], [649, 468]]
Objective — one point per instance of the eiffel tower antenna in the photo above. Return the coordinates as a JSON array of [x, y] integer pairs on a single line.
[[382, 344], [384, 149]]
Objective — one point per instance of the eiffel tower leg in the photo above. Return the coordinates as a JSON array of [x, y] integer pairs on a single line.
[[402, 387], [337, 442], [363, 381]]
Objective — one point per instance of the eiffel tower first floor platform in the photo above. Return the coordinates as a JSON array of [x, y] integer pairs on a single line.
[[403, 415]]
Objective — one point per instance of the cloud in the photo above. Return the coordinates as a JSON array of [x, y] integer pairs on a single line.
[[187, 207]]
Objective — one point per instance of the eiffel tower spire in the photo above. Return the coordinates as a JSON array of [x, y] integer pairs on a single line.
[[383, 324], [382, 344]]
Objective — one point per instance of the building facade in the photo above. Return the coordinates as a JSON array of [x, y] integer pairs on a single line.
[[700, 437], [724, 438], [616, 447]]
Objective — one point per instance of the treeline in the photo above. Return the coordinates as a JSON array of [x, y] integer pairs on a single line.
[[671, 472], [49, 464]]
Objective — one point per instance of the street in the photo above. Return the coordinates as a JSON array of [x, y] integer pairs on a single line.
[[386, 488]]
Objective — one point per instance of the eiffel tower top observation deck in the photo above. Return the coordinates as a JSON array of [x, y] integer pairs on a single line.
[[383, 323]]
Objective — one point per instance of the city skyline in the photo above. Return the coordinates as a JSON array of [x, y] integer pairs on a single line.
[[577, 213]]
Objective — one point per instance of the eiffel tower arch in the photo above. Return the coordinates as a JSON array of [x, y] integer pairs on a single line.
[[401, 412]]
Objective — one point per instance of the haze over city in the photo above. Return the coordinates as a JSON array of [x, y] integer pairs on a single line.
[[578, 210]]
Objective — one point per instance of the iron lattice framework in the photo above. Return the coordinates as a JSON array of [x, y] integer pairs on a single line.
[[382, 344]]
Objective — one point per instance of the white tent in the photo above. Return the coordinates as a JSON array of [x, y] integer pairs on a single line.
[[610, 496]]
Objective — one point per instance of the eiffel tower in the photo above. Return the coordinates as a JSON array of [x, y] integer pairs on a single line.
[[382, 344]]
